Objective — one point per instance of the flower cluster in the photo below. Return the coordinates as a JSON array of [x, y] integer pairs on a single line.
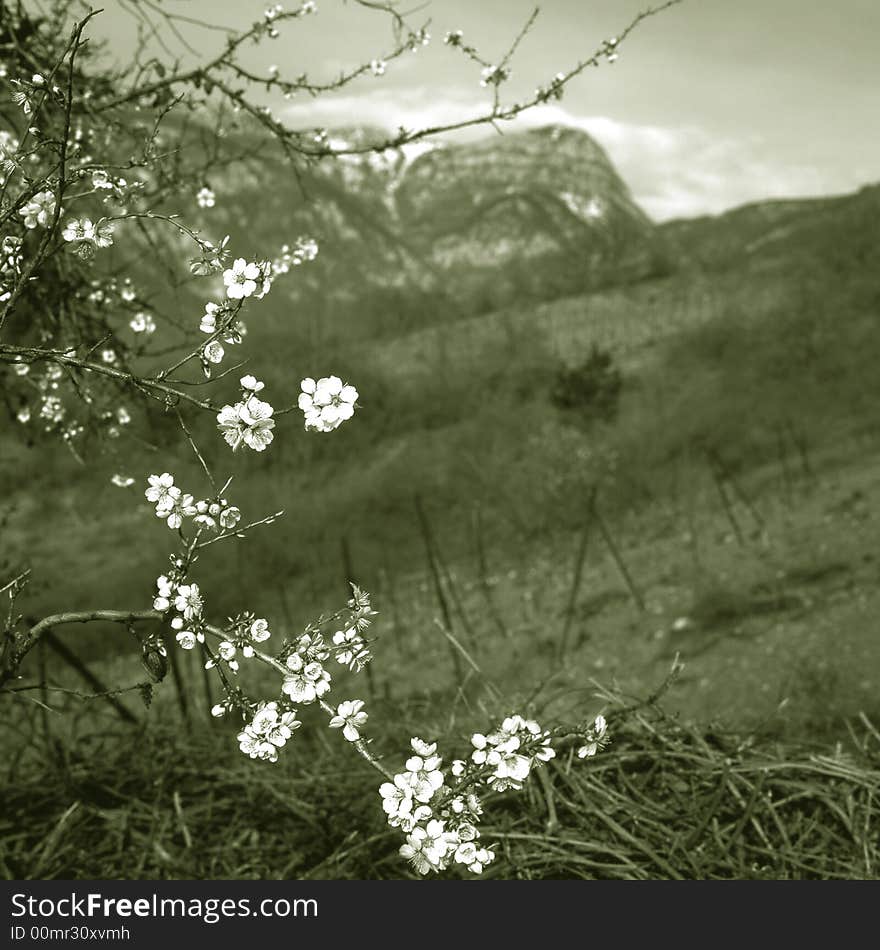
[[116, 188], [511, 752], [350, 648], [244, 633], [173, 505], [494, 75], [232, 330], [327, 403], [418, 38], [186, 600], [142, 323], [205, 198], [249, 421], [302, 662], [268, 731], [51, 411], [307, 680], [439, 812], [439, 824], [243, 279], [305, 250]]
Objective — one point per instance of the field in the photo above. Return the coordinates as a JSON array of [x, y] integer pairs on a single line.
[[521, 555]]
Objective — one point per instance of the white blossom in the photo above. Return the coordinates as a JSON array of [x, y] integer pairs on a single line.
[[267, 732], [39, 210], [353, 651], [259, 630], [350, 718], [186, 639], [424, 775], [327, 403], [101, 180], [142, 323], [229, 517], [164, 594], [427, 847], [494, 75], [205, 197], [188, 601], [249, 421], [209, 319], [162, 491], [214, 351], [596, 738], [241, 279], [397, 797], [305, 682]]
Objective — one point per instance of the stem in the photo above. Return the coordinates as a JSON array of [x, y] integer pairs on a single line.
[[359, 744]]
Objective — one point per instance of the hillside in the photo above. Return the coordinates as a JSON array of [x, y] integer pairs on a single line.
[[759, 338]]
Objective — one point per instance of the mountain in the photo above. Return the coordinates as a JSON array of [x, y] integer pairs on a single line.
[[449, 229], [431, 233], [547, 198]]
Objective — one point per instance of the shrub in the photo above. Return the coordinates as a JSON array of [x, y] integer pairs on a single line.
[[591, 390]]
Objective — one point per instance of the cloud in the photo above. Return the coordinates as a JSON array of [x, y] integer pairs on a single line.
[[671, 171], [412, 107]]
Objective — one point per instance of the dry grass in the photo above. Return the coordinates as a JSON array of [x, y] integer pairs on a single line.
[[666, 800]]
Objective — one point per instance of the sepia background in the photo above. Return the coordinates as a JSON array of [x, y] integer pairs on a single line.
[[617, 364]]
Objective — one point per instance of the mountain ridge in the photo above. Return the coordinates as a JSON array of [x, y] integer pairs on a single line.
[[513, 220]]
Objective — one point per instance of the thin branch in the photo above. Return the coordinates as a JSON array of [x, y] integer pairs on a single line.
[[82, 616], [12, 354]]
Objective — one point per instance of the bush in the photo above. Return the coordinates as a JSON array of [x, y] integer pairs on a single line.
[[592, 389]]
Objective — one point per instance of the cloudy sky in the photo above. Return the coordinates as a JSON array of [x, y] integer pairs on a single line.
[[711, 104]]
